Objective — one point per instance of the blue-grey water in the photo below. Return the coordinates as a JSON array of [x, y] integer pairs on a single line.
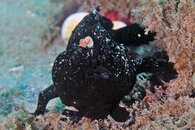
[[25, 69]]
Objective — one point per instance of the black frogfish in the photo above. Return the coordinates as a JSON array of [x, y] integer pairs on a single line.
[[97, 70]]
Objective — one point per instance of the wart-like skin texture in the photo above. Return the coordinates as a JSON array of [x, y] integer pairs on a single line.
[[95, 79]]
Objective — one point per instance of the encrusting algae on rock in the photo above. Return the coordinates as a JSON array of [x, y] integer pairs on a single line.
[[174, 22]]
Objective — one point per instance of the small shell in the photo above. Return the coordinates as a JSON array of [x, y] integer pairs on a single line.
[[16, 69], [118, 24], [71, 108]]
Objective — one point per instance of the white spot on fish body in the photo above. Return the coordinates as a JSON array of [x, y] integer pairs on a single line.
[[107, 40], [117, 47], [123, 57]]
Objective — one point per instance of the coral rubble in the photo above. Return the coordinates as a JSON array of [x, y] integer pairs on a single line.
[[174, 22]]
